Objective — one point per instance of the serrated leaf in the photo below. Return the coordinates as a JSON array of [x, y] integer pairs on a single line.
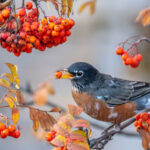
[[9, 101], [20, 97], [9, 76], [4, 83], [59, 141], [74, 110], [13, 69], [15, 115], [70, 6]]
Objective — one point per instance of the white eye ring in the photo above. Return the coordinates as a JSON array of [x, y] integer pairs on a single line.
[[79, 73]]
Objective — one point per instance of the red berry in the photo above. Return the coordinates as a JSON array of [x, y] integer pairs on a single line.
[[29, 5], [12, 128], [139, 57], [124, 56], [17, 134]]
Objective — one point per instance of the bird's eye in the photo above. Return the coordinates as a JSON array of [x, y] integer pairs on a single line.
[[79, 74]]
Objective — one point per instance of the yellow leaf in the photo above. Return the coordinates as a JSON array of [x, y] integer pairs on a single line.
[[83, 6], [70, 5], [13, 98], [9, 76], [13, 69], [15, 115], [59, 141], [4, 83], [63, 7], [9, 101], [17, 80], [92, 6]]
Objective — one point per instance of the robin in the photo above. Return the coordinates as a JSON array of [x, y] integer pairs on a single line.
[[103, 97]]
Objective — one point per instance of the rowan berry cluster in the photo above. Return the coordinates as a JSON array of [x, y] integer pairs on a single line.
[[33, 32], [142, 121], [8, 131], [133, 61]]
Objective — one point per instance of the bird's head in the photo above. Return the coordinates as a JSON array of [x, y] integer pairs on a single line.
[[81, 74]]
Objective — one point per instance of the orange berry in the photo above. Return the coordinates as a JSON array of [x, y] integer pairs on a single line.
[[124, 56], [49, 45], [44, 21], [119, 51], [144, 116], [29, 46], [62, 33], [65, 22], [52, 18], [22, 12], [17, 54], [23, 35], [41, 29], [32, 39], [71, 22], [57, 28], [2, 126], [58, 74], [29, 5], [129, 60], [139, 57], [55, 33], [136, 123], [5, 13], [49, 137], [138, 116], [51, 25]]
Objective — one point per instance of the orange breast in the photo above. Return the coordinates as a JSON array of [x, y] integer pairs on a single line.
[[99, 110]]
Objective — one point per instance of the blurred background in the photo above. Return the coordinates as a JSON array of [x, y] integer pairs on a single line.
[[93, 40]]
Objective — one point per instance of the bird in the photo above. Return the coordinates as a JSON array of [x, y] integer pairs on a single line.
[[104, 97]]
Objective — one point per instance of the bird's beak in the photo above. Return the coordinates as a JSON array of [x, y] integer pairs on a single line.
[[63, 74]]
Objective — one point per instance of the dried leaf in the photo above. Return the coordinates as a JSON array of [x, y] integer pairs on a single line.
[[62, 128], [13, 69], [9, 101], [20, 97], [45, 120], [59, 141], [83, 6], [74, 110], [41, 94], [9, 76], [4, 83], [145, 138], [82, 123], [144, 16], [55, 109], [70, 6], [68, 119], [15, 115], [63, 7], [40, 134]]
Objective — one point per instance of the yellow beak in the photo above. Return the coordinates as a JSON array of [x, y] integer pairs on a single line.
[[63, 74]]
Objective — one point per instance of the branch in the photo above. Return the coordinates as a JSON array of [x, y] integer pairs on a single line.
[[100, 142]]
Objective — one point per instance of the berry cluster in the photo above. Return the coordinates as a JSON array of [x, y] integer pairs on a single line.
[[32, 32], [8, 131], [133, 61], [142, 121], [50, 136]]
